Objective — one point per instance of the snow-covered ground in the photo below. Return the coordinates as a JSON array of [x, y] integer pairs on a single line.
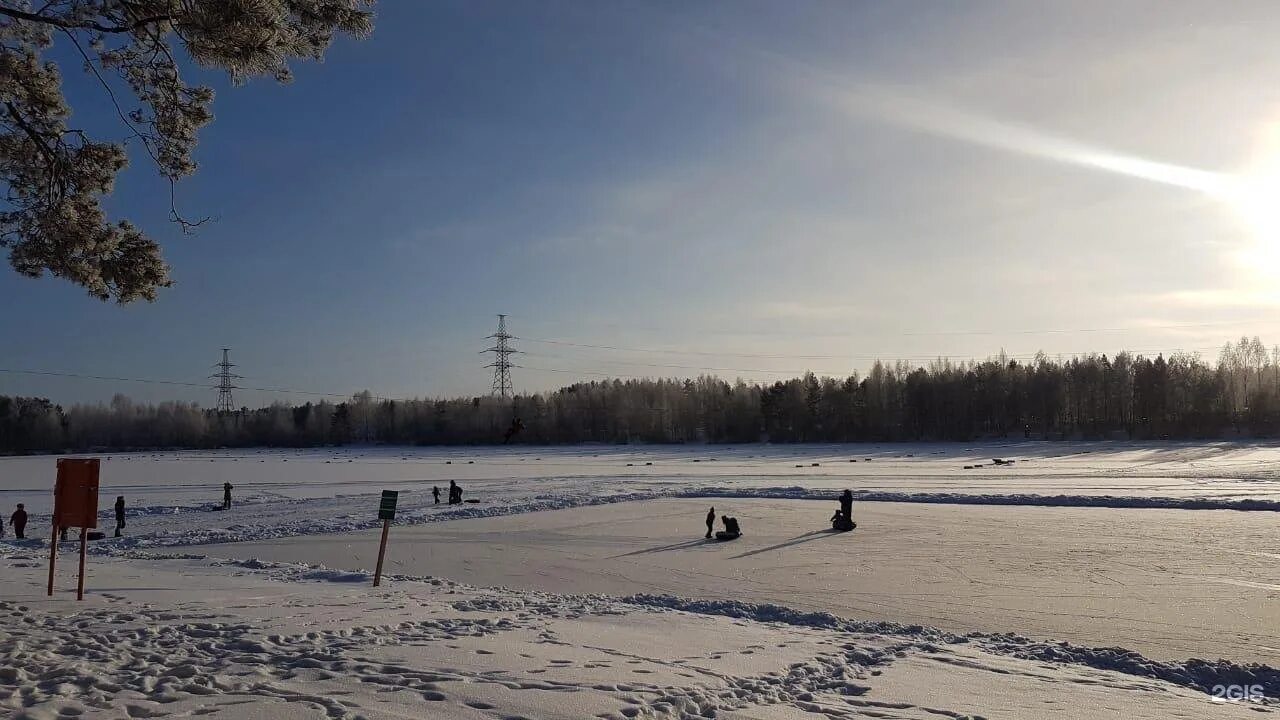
[[957, 595], [259, 640]]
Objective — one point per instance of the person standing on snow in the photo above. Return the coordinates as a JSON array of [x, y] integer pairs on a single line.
[[119, 514], [226, 496], [19, 522], [435, 492], [711, 521]]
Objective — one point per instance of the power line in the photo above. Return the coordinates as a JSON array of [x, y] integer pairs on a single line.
[[1059, 331], [580, 372], [224, 377], [594, 373], [910, 333], [102, 377], [502, 352], [179, 383], [885, 356], [795, 372], [769, 356], [682, 352], [621, 376], [674, 366]]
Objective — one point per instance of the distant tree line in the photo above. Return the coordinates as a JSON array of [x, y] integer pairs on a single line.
[[1084, 397]]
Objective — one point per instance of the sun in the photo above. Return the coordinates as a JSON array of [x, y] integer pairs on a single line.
[[1257, 203], [1254, 196]]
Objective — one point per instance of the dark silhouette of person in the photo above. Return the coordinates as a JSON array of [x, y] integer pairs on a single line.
[[711, 521], [731, 525], [435, 492], [226, 496], [843, 519], [19, 522], [455, 493], [119, 514]]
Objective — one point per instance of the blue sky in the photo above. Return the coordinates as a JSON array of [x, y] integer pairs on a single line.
[[819, 182]]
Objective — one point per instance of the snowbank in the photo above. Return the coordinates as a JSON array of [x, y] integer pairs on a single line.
[[1201, 675], [1096, 501]]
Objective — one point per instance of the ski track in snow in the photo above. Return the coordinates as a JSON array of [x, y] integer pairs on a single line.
[[150, 662]]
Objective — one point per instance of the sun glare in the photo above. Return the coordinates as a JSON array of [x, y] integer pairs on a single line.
[[1255, 198]]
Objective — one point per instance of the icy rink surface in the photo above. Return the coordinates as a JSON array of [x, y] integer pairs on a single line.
[[1218, 470], [1170, 584]]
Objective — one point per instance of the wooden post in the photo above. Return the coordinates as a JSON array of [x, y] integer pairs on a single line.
[[84, 543], [53, 555], [382, 550]]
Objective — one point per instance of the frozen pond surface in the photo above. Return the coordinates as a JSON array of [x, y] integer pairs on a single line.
[[1220, 470]]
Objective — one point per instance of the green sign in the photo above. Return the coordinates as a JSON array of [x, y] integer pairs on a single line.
[[387, 507]]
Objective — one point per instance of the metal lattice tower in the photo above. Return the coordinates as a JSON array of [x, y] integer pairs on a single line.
[[502, 352], [224, 376]]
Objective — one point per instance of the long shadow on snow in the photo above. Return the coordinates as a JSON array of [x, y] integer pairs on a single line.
[[797, 540], [686, 545]]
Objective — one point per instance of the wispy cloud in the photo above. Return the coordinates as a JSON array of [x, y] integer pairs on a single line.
[[914, 109]]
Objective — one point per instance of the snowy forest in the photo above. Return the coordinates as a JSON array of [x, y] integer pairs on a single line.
[[1088, 397]]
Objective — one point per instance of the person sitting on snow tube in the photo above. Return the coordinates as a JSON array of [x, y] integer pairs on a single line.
[[843, 519], [840, 523], [731, 529]]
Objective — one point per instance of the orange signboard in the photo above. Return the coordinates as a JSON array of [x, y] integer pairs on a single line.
[[75, 494]]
